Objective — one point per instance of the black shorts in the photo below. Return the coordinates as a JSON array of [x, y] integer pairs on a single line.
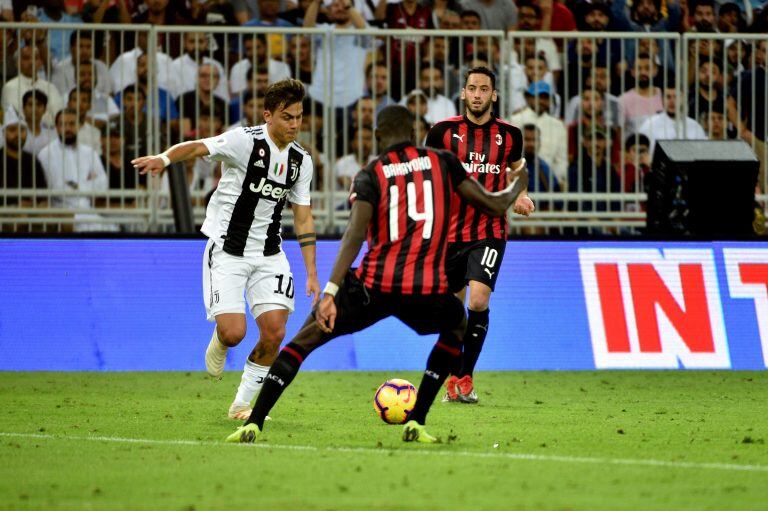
[[474, 260], [358, 308]]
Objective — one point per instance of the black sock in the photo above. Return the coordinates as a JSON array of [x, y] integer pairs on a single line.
[[280, 375], [446, 350], [477, 329], [457, 361]]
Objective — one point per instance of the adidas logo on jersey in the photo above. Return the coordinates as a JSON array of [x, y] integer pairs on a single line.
[[269, 190], [259, 164]]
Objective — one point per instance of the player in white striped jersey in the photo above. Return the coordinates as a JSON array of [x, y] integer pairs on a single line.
[[262, 168]]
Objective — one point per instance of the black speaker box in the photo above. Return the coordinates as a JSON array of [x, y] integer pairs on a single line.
[[702, 188]]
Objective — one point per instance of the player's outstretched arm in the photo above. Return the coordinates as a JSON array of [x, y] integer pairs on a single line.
[[304, 224], [351, 242], [179, 152], [494, 203]]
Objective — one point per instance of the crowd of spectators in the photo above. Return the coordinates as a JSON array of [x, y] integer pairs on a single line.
[[591, 109]]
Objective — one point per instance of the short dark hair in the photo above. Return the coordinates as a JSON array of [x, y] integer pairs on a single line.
[[587, 88], [432, 64], [73, 37], [63, 111], [77, 91], [395, 120], [711, 59], [283, 94], [470, 12], [729, 7], [636, 139], [371, 65], [312, 107], [531, 127], [215, 110], [260, 69], [470, 55], [133, 90], [530, 5], [703, 3], [536, 56], [635, 5], [37, 94], [480, 70], [247, 96], [717, 106]]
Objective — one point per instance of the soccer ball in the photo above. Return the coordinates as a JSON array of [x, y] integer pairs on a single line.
[[394, 400]]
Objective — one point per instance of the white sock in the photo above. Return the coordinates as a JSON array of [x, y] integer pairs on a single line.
[[217, 344], [250, 383]]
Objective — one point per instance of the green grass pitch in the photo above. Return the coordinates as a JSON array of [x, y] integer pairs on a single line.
[[537, 440]]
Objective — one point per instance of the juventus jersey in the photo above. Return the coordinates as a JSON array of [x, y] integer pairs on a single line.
[[257, 178]]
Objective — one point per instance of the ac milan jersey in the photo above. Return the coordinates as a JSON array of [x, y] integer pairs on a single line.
[[411, 189], [398, 17], [257, 178], [485, 151]]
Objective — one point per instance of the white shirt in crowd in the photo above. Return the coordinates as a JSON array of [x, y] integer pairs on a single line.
[[76, 168], [63, 76], [611, 110], [123, 70], [235, 150], [553, 144], [14, 90], [548, 48], [349, 53], [90, 136], [35, 143], [237, 76], [439, 108], [103, 107], [183, 74], [663, 127], [514, 74]]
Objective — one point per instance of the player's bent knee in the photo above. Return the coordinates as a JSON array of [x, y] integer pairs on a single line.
[[272, 334], [231, 335], [478, 306], [479, 303]]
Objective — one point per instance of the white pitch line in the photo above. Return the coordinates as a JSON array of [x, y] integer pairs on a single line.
[[426, 451]]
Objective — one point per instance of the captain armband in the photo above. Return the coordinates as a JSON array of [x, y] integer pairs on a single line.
[[306, 240]]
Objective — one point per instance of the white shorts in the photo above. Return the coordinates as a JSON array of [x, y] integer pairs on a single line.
[[265, 281]]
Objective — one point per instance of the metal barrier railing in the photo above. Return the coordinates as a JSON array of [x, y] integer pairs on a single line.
[[136, 89]]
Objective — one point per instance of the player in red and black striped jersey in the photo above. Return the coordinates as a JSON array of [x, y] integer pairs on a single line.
[[489, 149], [401, 204]]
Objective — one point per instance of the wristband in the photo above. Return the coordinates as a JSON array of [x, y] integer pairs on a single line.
[[520, 167], [331, 289], [166, 160]]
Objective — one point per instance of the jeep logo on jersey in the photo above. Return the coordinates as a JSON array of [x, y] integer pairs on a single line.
[[650, 308], [269, 189]]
